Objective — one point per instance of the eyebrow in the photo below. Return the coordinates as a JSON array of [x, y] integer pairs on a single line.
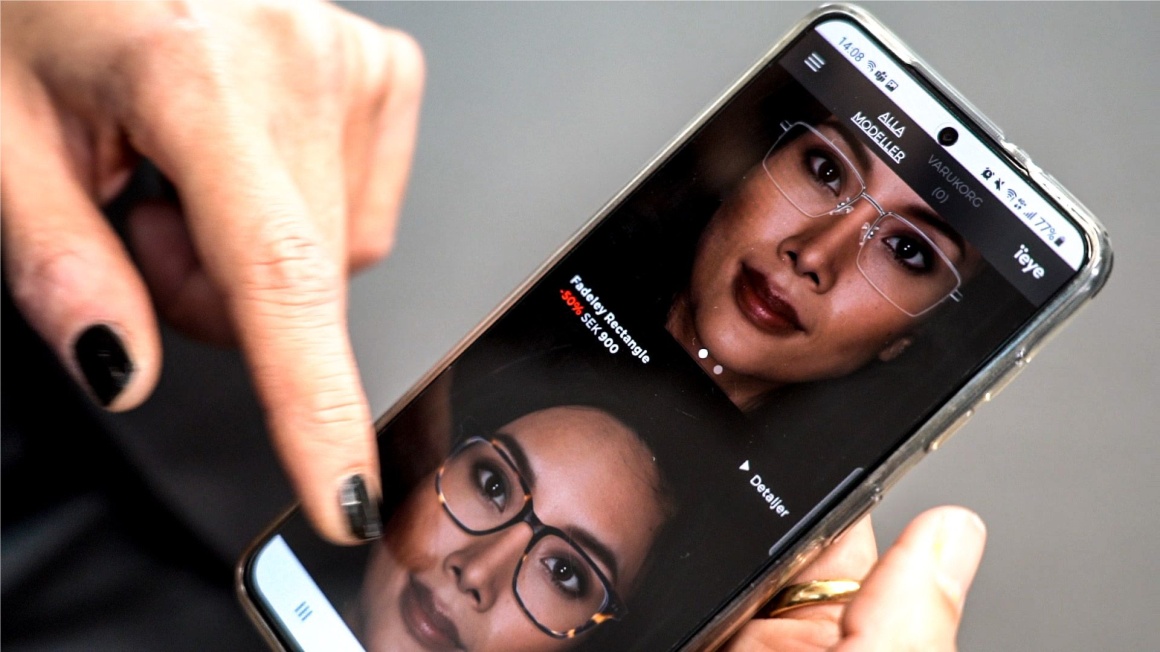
[[861, 152], [939, 224], [596, 548], [591, 544], [519, 457]]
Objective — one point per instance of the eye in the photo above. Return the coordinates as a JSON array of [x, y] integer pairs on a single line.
[[491, 484], [911, 252], [825, 170], [568, 575]]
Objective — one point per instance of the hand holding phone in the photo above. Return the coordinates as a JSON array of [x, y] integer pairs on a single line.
[[911, 598]]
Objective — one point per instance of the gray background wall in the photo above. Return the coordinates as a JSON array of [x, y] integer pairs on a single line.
[[536, 113]]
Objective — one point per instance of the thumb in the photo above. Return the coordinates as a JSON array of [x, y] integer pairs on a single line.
[[913, 599]]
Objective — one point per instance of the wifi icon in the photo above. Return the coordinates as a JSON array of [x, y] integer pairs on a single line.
[[871, 65]]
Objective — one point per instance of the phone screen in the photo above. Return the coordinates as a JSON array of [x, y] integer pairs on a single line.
[[742, 338]]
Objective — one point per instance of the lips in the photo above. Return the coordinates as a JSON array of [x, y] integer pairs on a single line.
[[423, 619], [763, 304]]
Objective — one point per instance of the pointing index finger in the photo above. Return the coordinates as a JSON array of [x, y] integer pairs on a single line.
[[281, 279], [286, 294]]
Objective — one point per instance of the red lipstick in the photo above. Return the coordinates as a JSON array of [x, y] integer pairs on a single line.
[[763, 304], [424, 620]]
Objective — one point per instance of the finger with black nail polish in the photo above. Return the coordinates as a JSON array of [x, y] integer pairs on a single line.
[[362, 512], [103, 361]]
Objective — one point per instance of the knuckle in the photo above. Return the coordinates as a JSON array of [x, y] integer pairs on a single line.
[[335, 411], [292, 270], [178, 39], [382, 64], [329, 425], [403, 71], [279, 19], [305, 44], [48, 274], [408, 65], [167, 69], [370, 250]]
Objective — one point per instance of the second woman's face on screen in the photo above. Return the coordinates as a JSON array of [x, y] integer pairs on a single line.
[[778, 296], [431, 585]]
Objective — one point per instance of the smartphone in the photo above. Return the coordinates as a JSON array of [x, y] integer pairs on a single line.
[[812, 287]]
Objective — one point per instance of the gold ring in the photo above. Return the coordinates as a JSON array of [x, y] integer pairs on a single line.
[[808, 594]]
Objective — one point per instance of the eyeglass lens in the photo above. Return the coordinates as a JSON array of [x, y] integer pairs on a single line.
[[899, 259], [555, 582]]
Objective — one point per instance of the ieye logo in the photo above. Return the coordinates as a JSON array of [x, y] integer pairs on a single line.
[[1031, 267]]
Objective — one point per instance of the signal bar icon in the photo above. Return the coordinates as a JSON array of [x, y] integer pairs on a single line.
[[815, 61]]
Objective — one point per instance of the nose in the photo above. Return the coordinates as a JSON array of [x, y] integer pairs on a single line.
[[821, 248], [485, 566]]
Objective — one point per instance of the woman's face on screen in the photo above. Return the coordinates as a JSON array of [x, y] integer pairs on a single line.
[[433, 585], [785, 285]]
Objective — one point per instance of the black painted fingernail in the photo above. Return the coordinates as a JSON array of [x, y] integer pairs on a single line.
[[103, 361], [362, 513]]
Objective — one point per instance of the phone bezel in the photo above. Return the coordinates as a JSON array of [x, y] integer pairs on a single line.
[[983, 387]]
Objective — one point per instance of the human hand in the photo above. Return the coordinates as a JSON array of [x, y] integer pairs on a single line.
[[287, 129], [911, 599]]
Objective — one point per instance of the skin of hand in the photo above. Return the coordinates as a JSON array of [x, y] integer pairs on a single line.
[[287, 129], [911, 599]]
